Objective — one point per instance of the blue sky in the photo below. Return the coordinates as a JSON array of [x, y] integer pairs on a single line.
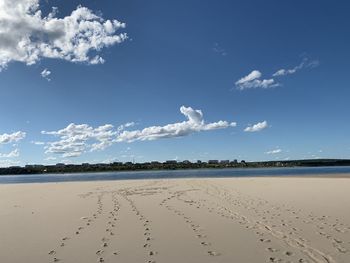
[[259, 80]]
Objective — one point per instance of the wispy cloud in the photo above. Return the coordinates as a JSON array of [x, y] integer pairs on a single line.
[[27, 36], [306, 63], [257, 127], [218, 49], [275, 151], [12, 154], [75, 139], [37, 142], [253, 80], [12, 137], [45, 74], [50, 158], [8, 162]]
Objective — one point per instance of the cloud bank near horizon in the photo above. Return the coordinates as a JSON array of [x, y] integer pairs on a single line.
[[76, 139]]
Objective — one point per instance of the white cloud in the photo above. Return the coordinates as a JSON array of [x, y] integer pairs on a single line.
[[275, 151], [257, 127], [45, 74], [13, 137], [12, 154], [306, 63], [75, 139], [194, 123], [252, 80], [37, 142], [26, 36]]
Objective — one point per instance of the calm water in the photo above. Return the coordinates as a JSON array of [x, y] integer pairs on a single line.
[[205, 173]]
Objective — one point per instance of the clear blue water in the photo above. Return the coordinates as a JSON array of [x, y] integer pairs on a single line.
[[204, 173]]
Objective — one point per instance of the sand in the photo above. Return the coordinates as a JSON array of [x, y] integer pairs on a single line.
[[243, 220]]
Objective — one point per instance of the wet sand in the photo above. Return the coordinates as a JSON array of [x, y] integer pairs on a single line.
[[244, 220]]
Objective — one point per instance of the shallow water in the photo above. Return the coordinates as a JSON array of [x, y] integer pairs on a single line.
[[204, 173]]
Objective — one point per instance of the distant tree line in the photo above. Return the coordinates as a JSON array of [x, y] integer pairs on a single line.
[[168, 165]]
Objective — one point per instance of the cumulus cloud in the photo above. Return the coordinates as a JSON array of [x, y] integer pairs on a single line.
[[12, 154], [253, 80], [194, 123], [306, 63], [257, 127], [275, 151], [45, 74], [12, 137], [75, 139], [27, 36]]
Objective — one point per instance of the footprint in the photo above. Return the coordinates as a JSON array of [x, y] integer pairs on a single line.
[[270, 249], [213, 253]]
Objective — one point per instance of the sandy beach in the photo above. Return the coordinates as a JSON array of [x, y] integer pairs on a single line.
[[243, 220]]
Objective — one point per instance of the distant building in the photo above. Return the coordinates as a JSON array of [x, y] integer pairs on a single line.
[[34, 166], [225, 161], [60, 164], [213, 161], [186, 162], [199, 161], [171, 162]]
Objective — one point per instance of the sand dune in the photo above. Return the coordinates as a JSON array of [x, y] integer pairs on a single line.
[[242, 220]]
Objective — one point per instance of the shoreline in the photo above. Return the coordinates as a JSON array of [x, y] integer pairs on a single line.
[[106, 179]]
